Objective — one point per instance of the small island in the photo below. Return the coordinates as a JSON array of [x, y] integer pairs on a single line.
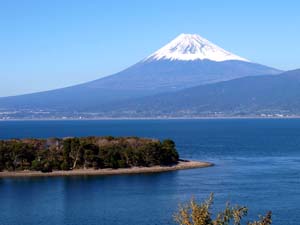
[[89, 156]]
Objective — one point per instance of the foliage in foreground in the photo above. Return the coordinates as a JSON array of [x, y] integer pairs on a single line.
[[87, 152], [200, 214]]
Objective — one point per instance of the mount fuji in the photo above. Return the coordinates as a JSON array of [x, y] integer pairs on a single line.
[[188, 47], [187, 61]]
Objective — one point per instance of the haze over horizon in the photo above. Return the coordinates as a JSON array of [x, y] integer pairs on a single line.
[[56, 44]]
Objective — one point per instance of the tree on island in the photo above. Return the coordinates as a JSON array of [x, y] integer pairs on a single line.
[[200, 214], [86, 152]]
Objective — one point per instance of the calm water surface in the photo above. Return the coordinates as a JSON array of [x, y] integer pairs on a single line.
[[257, 165]]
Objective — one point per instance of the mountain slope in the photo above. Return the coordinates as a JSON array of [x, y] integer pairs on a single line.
[[244, 96], [187, 61]]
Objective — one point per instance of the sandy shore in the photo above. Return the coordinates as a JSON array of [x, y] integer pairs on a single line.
[[182, 165]]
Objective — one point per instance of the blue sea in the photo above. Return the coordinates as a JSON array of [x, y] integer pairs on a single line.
[[257, 164]]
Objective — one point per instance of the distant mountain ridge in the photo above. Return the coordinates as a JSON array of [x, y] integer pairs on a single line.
[[187, 61], [257, 96]]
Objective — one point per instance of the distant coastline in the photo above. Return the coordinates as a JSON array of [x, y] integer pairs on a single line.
[[182, 165], [152, 118]]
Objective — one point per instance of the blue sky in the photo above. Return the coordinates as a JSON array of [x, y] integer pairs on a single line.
[[57, 43]]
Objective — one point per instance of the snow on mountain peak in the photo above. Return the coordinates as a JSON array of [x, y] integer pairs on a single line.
[[188, 47]]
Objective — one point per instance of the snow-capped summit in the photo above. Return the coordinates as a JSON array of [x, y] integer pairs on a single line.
[[189, 47]]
